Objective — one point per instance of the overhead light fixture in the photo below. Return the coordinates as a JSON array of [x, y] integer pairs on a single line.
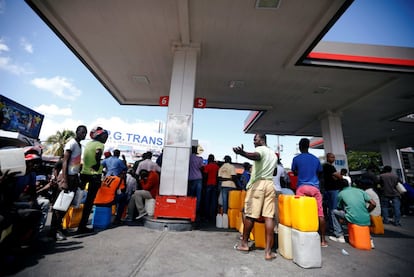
[[141, 79], [236, 84], [267, 4]]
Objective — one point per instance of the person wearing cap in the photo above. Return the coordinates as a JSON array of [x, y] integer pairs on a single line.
[[114, 165], [29, 215], [69, 179], [107, 154], [226, 174], [25, 190], [91, 173], [33, 166]]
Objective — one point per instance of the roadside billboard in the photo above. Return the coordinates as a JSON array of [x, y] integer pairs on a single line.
[[134, 144], [20, 119]]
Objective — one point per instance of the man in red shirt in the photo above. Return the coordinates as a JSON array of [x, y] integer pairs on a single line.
[[211, 171], [150, 184]]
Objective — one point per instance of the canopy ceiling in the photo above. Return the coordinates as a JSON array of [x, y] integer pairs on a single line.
[[249, 58]]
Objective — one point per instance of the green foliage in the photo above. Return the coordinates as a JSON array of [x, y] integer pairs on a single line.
[[362, 160], [55, 144]]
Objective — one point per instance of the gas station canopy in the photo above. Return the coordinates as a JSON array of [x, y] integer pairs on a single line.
[[250, 58]]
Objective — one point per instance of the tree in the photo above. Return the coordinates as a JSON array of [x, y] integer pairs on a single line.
[[56, 143], [361, 160]]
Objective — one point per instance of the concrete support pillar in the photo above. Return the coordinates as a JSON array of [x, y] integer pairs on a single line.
[[333, 138], [179, 127], [389, 155]]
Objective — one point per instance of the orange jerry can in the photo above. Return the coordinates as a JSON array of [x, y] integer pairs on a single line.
[[242, 198], [72, 217], [377, 226], [234, 199], [285, 212], [233, 214], [259, 235], [359, 236]]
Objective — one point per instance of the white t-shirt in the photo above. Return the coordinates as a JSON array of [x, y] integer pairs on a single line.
[[148, 165], [348, 179], [374, 196], [75, 157], [227, 170], [281, 173]]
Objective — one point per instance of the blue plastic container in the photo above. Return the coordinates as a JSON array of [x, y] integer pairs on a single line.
[[101, 217]]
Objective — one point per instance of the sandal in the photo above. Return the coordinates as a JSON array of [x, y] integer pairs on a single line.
[[272, 257], [237, 248]]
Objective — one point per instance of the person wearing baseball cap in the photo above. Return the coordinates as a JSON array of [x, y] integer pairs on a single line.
[[31, 157], [92, 173], [25, 190], [25, 202]]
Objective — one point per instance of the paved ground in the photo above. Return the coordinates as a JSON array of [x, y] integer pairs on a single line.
[[206, 251]]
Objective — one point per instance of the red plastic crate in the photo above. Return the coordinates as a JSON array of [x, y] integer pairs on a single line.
[[175, 207]]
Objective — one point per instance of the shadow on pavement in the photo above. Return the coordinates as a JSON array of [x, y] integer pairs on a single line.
[[20, 258]]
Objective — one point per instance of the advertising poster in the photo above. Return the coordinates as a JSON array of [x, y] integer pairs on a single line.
[[178, 130], [18, 118]]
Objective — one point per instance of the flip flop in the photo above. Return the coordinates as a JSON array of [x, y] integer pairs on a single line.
[[237, 248], [324, 245], [272, 257]]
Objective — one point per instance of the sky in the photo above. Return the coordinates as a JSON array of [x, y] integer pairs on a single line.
[[38, 71], [378, 22]]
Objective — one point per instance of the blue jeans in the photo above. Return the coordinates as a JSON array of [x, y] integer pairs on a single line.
[[211, 202], [331, 200], [225, 196], [335, 222], [194, 189], [121, 202], [44, 206], [385, 205]]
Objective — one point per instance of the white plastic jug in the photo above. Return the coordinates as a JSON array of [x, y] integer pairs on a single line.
[[12, 159], [150, 206], [63, 201], [306, 249], [219, 221], [225, 221]]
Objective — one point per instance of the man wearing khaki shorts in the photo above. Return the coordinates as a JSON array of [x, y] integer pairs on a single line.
[[260, 196]]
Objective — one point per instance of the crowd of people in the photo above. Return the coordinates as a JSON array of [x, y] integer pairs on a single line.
[[340, 200], [26, 200]]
